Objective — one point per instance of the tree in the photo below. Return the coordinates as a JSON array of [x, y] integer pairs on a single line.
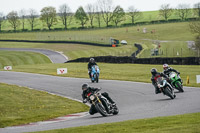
[[91, 13], [106, 10], [195, 29], [134, 13], [13, 19], [48, 16], [98, 14], [197, 9], [65, 15], [81, 16], [32, 18], [183, 10], [165, 11], [118, 15], [1, 20], [22, 15]]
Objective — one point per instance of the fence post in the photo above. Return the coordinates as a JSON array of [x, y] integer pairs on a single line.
[[181, 52]]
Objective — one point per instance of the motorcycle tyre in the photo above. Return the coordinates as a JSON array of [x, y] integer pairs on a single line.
[[101, 109], [116, 110], [168, 93], [179, 87]]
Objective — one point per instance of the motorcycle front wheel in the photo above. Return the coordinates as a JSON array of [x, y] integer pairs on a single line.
[[101, 109], [169, 93]]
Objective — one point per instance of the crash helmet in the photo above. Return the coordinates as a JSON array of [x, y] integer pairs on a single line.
[[92, 60], [165, 66], [85, 86], [153, 71]]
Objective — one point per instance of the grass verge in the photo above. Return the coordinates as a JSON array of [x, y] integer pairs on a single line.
[[188, 123], [14, 58], [20, 105], [125, 72]]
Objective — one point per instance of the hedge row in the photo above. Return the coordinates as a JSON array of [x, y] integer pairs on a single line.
[[126, 59], [109, 26]]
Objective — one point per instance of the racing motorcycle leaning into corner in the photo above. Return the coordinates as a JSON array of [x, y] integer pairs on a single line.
[[165, 87], [100, 102], [174, 77], [95, 73], [159, 81]]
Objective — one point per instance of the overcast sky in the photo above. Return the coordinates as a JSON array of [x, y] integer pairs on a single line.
[[7, 6]]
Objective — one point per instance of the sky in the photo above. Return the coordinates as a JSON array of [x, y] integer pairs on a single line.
[[7, 6]]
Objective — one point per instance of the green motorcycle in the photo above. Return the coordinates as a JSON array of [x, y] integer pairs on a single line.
[[176, 81]]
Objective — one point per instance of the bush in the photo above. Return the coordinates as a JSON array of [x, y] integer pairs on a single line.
[[174, 20], [36, 29]]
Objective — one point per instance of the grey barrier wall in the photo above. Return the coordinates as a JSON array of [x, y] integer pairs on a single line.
[[126, 59]]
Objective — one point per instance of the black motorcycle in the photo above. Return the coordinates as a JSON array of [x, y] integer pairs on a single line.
[[102, 104], [165, 87]]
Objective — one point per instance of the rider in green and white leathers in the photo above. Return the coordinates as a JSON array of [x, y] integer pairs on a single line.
[[168, 70]]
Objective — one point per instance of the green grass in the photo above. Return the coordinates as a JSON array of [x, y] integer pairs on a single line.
[[14, 58], [188, 123], [20, 105], [125, 72], [175, 33]]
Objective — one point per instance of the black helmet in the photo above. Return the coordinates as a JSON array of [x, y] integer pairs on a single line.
[[92, 60], [153, 71], [85, 86]]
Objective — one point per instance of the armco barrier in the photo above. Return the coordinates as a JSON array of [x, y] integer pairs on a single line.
[[126, 59]]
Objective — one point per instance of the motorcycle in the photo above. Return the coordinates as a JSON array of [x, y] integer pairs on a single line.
[[176, 81], [165, 87], [102, 104], [95, 73]]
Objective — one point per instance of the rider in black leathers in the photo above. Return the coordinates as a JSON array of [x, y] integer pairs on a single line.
[[154, 77], [90, 64], [86, 90]]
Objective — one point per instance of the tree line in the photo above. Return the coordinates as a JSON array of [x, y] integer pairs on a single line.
[[102, 11]]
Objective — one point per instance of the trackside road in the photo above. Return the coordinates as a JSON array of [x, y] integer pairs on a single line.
[[135, 100]]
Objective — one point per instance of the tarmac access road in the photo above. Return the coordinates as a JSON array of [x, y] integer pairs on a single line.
[[55, 57]]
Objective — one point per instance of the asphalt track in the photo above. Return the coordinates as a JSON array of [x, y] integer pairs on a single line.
[[135, 100], [54, 56]]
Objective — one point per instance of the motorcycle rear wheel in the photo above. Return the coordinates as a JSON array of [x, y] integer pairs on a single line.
[[116, 110], [179, 87]]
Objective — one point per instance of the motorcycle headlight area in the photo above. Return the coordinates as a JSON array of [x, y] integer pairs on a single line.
[[92, 97], [173, 75]]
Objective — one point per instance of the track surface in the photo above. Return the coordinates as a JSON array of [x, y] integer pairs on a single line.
[[135, 100], [55, 57]]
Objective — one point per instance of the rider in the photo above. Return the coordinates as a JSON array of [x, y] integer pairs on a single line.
[[86, 90], [90, 64], [155, 75], [168, 70]]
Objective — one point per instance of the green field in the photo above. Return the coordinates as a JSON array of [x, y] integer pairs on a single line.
[[175, 36], [124, 72], [13, 58], [20, 105], [188, 123]]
